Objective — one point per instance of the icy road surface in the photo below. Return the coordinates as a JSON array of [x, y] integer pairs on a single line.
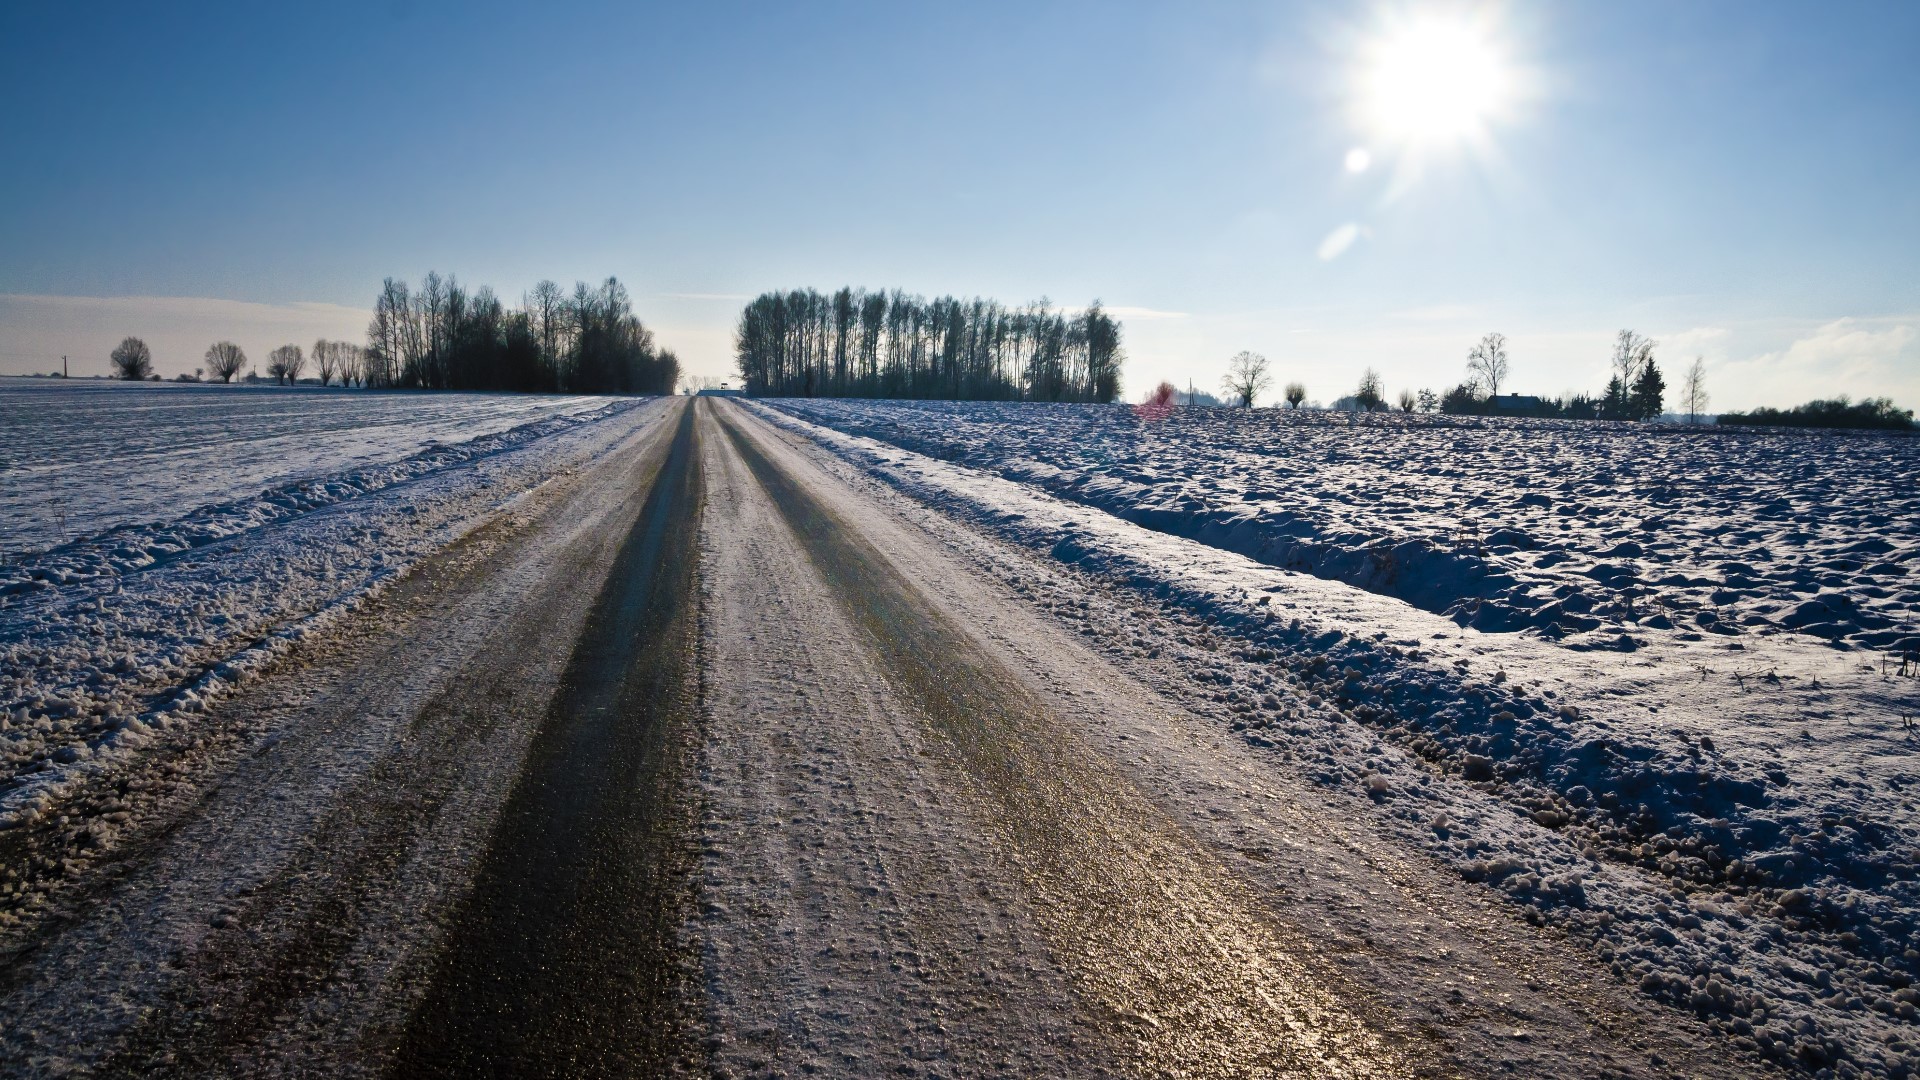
[[742, 748]]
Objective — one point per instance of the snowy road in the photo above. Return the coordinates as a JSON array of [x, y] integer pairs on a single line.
[[719, 759]]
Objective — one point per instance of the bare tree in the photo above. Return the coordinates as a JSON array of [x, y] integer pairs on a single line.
[[1693, 389], [394, 340], [1295, 393], [1487, 362], [225, 360], [286, 362], [349, 361], [1372, 393], [1631, 353], [326, 362], [1246, 377], [132, 359], [1406, 401]]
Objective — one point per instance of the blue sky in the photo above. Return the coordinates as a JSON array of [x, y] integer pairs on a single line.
[[1739, 180]]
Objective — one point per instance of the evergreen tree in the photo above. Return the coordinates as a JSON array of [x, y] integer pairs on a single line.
[[1613, 404], [1649, 393]]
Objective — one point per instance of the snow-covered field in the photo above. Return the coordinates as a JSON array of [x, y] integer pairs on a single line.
[[1645, 684], [206, 528], [79, 457], [1592, 534]]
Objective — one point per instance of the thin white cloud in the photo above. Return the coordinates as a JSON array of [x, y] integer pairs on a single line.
[[1845, 347], [1696, 341], [1122, 311], [175, 307], [37, 330], [1435, 313], [1855, 357]]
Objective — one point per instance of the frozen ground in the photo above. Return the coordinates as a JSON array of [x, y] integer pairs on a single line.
[[196, 574], [79, 457], [1591, 534], [1725, 814]]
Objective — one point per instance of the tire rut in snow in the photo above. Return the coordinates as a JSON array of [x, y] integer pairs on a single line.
[[1189, 978], [292, 974], [567, 960]]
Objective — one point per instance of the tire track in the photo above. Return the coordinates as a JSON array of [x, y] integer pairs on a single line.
[[568, 959], [1160, 938]]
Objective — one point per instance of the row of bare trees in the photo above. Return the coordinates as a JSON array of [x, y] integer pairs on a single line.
[[1636, 391], [855, 343], [441, 337], [332, 360]]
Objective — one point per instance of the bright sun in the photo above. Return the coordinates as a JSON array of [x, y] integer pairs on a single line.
[[1434, 80]]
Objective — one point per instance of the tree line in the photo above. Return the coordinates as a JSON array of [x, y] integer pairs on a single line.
[[1840, 412], [441, 337], [856, 343], [1636, 390]]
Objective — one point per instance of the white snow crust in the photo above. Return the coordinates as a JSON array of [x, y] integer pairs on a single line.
[[1591, 534], [113, 639], [78, 458], [1721, 808]]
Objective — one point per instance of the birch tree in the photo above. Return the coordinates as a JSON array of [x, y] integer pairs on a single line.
[[1693, 389], [1487, 362]]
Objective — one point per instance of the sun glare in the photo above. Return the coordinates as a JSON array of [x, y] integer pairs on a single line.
[[1434, 80]]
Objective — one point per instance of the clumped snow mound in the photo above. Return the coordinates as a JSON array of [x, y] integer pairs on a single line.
[[1728, 821], [113, 640], [1591, 534]]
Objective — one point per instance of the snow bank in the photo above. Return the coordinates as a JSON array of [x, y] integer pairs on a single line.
[[109, 641], [1729, 823]]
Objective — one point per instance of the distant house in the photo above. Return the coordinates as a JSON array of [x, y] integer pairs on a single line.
[[1515, 403]]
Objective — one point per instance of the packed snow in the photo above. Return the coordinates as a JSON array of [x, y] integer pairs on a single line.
[[1718, 801], [127, 634]]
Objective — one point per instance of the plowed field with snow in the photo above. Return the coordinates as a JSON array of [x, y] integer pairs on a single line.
[[1594, 535]]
